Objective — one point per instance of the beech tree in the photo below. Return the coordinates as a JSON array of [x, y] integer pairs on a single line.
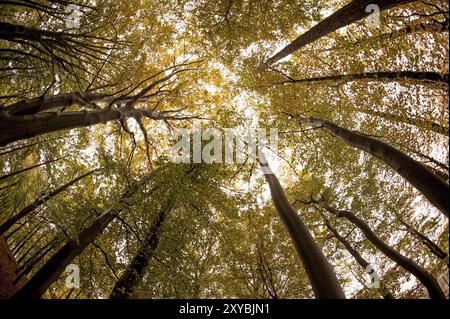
[[90, 113]]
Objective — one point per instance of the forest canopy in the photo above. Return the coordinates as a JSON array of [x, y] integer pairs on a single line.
[[121, 175]]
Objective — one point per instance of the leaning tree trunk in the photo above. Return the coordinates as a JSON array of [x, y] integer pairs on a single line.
[[14, 128], [382, 290], [417, 122], [320, 272], [27, 169], [53, 268], [430, 185], [63, 100], [38, 202], [352, 12], [134, 273], [432, 246], [434, 290], [390, 75]]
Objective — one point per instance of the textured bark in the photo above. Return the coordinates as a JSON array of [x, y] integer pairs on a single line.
[[393, 75], [352, 12], [383, 290], [431, 186], [53, 268], [320, 272], [134, 273], [417, 122], [38, 202], [434, 290]]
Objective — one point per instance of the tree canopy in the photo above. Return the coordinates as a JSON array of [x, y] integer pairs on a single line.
[[353, 203]]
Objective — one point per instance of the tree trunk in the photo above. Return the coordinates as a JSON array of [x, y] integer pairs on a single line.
[[14, 128], [382, 290], [63, 100], [320, 272], [133, 275], [417, 122], [392, 75], [38, 202], [434, 248], [430, 185], [53, 268], [352, 12], [434, 290], [26, 169]]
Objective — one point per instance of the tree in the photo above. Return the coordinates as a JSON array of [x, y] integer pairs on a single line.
[[50, 271], [320, 272], [384, 291], [431, 186], [352, 12], [124, 287], [422, 275], [38, 202]]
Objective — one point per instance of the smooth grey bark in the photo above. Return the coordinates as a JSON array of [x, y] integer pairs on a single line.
[[352, 12], [320, 272], [430, 283], [15, 128], [431, 186], [38, 202]]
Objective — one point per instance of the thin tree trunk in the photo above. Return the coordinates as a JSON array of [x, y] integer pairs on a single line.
[[53, 268], [417, 122], [352, 12], [434, 248], [390, 75], [434, 290], [134, 273], [320, 272], [27, 169], [38, 202], [430, 185], [382, 290]]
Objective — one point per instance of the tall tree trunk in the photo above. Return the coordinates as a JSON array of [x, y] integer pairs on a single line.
[[27, 169], [389, 75], [382, 290], [134, 273], [38, 202], [434, 290], [352, 12], [14, 128], [63, 100], [430, 185], [417, 122], [320, 272], [53, 268]]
